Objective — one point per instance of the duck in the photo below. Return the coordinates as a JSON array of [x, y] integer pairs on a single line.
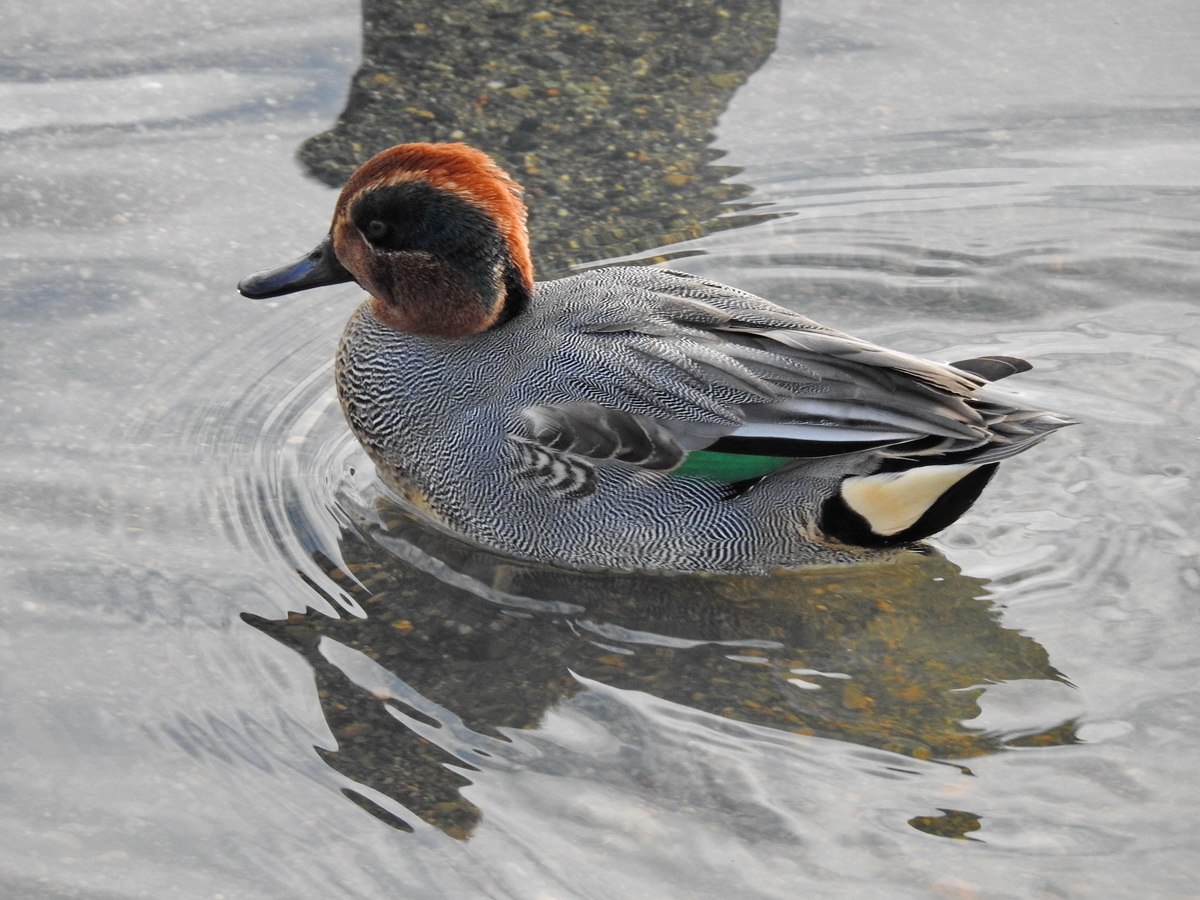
[[631, 418]]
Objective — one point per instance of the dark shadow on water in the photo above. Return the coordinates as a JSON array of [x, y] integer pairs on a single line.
[[889, 656], [603, 111], [955, 824]]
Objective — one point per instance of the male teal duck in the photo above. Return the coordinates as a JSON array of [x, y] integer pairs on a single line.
[[629, 417]]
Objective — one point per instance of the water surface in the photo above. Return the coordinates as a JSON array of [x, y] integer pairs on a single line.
[[232, 668]]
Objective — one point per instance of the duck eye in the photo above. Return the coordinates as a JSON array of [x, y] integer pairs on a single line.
[[376, 229]]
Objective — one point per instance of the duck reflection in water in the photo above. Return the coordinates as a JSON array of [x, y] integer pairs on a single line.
[[458, 645]]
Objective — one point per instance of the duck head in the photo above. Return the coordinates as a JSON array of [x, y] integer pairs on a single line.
[[434, 232]]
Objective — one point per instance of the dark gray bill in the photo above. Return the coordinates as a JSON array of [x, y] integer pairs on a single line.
[[318, 268]]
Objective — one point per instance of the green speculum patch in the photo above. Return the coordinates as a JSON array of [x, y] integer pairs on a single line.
[[729, 467]]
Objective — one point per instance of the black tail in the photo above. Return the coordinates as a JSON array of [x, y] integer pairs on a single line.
[[874, 526]]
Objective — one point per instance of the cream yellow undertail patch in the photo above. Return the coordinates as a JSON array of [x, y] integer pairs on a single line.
[[894, 501]]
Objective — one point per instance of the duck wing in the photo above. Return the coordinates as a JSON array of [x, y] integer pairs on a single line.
[[677, 364], [686, 375]]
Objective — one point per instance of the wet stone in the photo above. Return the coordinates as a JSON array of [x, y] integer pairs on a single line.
[[623, 95]]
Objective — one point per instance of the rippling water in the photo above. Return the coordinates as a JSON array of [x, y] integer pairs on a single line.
[[233, 668]]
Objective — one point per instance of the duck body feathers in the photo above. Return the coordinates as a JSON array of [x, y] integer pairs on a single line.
[[649, 419]]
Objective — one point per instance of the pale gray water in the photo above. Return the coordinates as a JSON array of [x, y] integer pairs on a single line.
[[953, 180]]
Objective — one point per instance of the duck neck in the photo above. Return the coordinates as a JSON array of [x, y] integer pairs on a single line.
[[517, 295], [432, 299]]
